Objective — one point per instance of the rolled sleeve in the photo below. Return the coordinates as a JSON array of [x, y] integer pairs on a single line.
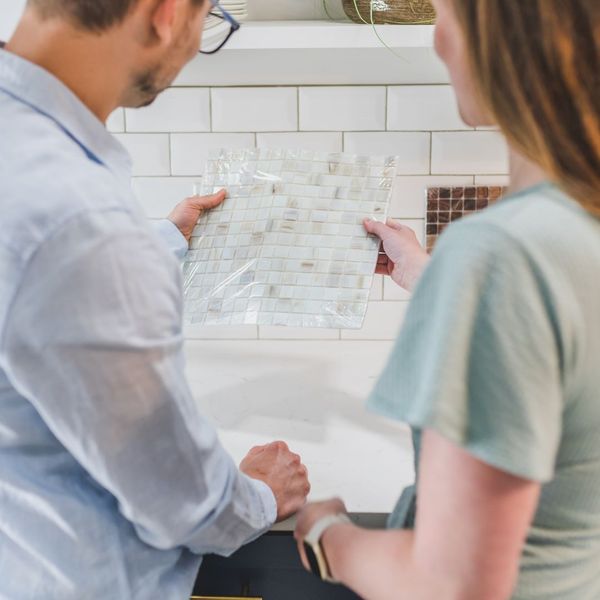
[[173, 238]]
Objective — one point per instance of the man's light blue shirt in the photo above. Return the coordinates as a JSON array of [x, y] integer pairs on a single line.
[[112, 485]]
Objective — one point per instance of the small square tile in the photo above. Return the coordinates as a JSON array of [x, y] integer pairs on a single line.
[[454, 204], [301, 256]]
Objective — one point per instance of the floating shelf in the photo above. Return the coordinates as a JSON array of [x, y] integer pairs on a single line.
[[320, 53], [288, 35]]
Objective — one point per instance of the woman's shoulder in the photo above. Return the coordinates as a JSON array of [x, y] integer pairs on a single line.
[[539, 222], [536, 214]]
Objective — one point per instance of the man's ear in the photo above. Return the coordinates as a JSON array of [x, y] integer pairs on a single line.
[[163, 18]]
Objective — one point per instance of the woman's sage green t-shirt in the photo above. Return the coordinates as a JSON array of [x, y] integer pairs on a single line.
[[500, 354]]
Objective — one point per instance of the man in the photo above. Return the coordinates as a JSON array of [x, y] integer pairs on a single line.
[[112, 485]]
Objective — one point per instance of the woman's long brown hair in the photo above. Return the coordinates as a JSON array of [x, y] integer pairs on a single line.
[[537, 66]]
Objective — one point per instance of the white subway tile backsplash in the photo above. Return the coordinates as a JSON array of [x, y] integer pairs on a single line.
[[176, 109], [382, 322], [472, 152], [423, 107], [149, 152], [412, 148], [342, 108], [158, 195], [189, 151], [116, 121], [307, 140], [255, 109], [408, 197], [170, 141]]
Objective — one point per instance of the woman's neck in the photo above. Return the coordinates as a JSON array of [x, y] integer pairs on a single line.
[[524, 173]]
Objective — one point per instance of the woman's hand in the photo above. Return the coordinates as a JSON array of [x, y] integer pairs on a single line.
[[186, 214], [309, 515], [403, 258]]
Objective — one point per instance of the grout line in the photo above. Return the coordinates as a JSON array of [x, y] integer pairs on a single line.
[[387, 94], [430, 152], [218, 132]]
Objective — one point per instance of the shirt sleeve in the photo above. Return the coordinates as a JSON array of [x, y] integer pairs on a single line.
[[478, 359], [170, 234], [94, 342]]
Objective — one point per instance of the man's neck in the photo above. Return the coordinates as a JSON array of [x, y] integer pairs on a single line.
[[81, 61]]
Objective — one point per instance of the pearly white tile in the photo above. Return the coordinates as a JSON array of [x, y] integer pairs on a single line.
[[297, 333], [255, 109], [116, 121], [423, 107], [343, 108], [220, 332], [158, 195], [411, 148], [149, 152], [176, 109], [472, 152], [189, 151], [307, 140], [382, 322], [408, 198]]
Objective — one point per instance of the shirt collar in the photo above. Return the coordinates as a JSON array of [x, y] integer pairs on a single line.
[[47, 95]]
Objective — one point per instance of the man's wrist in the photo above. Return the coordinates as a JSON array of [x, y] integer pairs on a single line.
[[172, 236], [268, 500]]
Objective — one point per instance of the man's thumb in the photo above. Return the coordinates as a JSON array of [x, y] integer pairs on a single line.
[[206, 202]]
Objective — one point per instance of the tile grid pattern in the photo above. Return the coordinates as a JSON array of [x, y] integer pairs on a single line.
[[170, 143], [288, 246], [445, 205]]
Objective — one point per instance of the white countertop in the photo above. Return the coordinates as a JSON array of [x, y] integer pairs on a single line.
[[310, 394]]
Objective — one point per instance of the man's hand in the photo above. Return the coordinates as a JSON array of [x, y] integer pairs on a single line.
[[186, 214], [402, 257], [283, 472]]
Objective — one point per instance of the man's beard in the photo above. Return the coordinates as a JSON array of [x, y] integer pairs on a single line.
[[146, 88]]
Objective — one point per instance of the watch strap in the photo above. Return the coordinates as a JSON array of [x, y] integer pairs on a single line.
[[313, 539]]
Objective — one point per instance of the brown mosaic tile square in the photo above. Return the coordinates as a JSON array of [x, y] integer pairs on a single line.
[[446, 205]]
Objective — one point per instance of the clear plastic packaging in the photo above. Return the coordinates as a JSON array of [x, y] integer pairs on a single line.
[[288, 246]]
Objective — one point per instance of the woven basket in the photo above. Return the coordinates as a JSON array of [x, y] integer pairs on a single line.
[[390, 11]]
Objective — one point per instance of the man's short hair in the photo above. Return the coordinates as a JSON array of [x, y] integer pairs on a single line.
[[93, 15]]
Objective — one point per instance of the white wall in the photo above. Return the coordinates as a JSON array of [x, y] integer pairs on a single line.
[[169, 142]]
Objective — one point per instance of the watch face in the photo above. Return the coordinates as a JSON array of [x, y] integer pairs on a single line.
[[312, 560]]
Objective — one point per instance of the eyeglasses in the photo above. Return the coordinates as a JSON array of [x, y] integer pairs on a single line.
[[211, 46]]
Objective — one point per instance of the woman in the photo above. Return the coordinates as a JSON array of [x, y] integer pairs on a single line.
[[497, 366]]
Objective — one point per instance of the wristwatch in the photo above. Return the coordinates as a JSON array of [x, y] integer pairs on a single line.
[[314, 550]]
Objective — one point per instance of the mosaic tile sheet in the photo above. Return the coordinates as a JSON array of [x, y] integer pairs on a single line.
[[288, 246], [448, 204]]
